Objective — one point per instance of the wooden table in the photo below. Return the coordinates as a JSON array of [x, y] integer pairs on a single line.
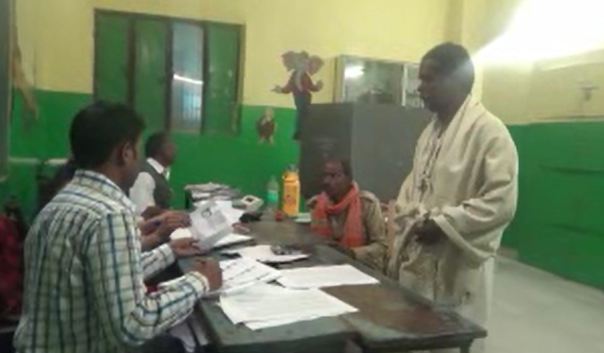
[[390, 318]]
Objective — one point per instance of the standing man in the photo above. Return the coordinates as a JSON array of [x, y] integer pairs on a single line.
[[84, 289], [151, 189], [460, 195]]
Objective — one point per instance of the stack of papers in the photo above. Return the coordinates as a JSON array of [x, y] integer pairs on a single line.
[[303, 218], [211, 191], [208, 187], [242, 273], [263, 253], [227, 240], [266, 305], [237, 276], [324, 276]]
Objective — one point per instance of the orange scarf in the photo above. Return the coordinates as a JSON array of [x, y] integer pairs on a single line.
[[353, 228]]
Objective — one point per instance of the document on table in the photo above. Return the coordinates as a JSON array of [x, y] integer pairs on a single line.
[[263, 253], [229, 239], [324, 276], [266, 305], [231, 213], [303, 218], [242, 273], [209, 225], [238, 275]]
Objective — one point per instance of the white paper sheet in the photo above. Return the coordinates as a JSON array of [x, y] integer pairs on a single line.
[[324, 276], [232, 239], [231, 213], [242, 273], [181, 233], [209, 225], [229, 239], [303, 218], [264, 306], [263, 253]]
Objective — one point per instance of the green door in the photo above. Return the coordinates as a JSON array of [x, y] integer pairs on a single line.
[[111, 57], [150, 80], [221, 113]]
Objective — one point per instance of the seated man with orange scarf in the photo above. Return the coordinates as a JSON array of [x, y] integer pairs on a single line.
[[349, 217]]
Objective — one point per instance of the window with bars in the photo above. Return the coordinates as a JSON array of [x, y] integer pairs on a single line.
[[179, 74]]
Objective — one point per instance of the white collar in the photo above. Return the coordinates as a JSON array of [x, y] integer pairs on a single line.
[[156, 165]]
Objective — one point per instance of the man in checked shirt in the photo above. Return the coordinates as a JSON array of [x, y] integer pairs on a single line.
[[84, 289]]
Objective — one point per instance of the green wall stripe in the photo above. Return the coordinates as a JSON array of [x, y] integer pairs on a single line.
[[238, 160], [558, 226]]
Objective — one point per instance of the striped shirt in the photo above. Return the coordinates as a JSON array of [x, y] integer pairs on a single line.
[[84, 289]]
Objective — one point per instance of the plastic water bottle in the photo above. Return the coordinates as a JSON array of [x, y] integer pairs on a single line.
[[291, 192], [272, 196]]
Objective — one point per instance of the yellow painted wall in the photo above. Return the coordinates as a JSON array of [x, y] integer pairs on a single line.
[[56, 38], [557, 91], [501, 87], [57, 35], [520, 92]]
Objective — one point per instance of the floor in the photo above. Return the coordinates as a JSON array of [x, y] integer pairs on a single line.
[[536, 312]]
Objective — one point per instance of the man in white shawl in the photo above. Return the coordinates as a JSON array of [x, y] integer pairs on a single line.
[[461, 194]]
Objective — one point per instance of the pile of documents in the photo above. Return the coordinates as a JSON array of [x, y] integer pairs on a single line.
[[263, 306], [211, 191], [247, 295], [299, 298], [303, 218], [240, 274], [227, 240]]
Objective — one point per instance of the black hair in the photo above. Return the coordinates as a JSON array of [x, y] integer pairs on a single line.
[[346, 166], [454, 61], [155, 143], [99, 128]]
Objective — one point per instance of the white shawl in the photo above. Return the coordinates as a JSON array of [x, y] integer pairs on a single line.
[[471, 195]]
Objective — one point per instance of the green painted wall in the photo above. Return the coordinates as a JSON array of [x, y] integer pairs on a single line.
[[238, 160], [559, 225], [42, 137]]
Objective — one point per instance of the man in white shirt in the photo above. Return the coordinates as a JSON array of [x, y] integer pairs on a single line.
[[460, 195], [151, 189]]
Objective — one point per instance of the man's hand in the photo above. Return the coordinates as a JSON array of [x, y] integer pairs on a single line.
[[185, 247], [151, 212], [239, 228], [170, 221], [429, 233], [210, 269], [346, 251]]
